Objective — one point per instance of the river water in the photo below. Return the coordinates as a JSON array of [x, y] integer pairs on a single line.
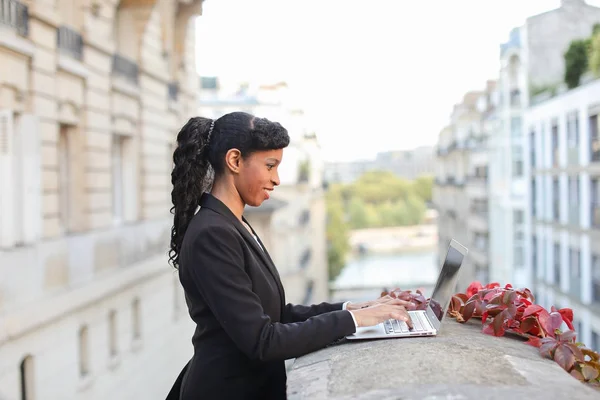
[[365, 276]]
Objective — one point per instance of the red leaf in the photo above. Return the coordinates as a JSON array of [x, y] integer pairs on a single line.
[[589, 373], [567, 316], [473, 288], [498, 324], [508, 286], [492, 285], [568, 336], [489, 329], [463, 297], [579, 356], [546, 322], [577, 375], [533, 309], [527, 324], [547, 347], [564, 357], [468, 310], [510, 297], [534, 341]]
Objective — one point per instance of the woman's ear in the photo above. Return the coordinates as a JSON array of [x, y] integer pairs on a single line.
[[233, 160]]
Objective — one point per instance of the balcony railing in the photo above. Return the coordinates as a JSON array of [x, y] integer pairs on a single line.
[[70, 41], [595, 215], [15, 14], [173, 90], [122, 66], [573, 156]]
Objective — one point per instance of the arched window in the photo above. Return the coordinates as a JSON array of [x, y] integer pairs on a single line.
[[84, 357], [27, 378]]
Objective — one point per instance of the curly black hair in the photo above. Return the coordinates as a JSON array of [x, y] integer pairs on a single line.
[[198, 159]]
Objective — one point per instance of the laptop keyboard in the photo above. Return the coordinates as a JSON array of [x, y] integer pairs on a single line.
[[420, 324]]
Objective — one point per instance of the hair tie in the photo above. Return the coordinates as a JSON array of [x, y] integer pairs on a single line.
[[212, 125]]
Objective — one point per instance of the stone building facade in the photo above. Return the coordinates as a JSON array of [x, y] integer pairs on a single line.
[[92, 93]]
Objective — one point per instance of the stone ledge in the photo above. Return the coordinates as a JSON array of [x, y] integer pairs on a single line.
[[461, 363]]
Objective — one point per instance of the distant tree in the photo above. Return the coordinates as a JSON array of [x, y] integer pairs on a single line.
[[338, 243], [576, 62], [423, 187]]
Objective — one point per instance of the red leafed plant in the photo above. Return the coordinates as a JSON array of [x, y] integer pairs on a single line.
[[504, 309]]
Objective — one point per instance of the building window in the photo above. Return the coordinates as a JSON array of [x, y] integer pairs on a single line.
[[136, 319], [557, 264], [573, 184], [117, 178], [27, 379], [71, 189], [595, 345], [533, 199], [595, 278], [532, 148], [594, 139], [575, 272], [519, 255], [555, 200], [534, 258], [84, 357], [595, 203], [517, 161], [515, 127], [112, 334], [555, 157]]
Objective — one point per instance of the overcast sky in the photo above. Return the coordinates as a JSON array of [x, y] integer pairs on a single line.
[[374, 75]]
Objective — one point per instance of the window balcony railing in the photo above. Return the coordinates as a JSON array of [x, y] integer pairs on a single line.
[[122, 66], [15, 14], [70, 41], [595, 215], [573, 156], [173, 91]]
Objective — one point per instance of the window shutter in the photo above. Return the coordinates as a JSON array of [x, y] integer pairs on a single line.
[[31, 210], [7, 217]]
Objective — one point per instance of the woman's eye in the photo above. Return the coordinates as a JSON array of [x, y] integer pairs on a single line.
[[270, 167]]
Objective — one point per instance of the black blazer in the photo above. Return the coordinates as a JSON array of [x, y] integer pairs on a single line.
[[244, 328]]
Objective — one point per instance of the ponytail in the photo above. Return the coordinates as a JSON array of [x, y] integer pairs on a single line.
[[191, 176]]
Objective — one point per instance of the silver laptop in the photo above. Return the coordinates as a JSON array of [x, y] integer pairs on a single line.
[[425, 322]]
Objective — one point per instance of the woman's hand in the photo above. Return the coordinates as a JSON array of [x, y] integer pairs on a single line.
[[387, 299], [375, 314]]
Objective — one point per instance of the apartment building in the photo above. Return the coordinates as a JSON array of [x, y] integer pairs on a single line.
[[460, 189], [563, 223], [92, 94], [531, 61], [292, 222]]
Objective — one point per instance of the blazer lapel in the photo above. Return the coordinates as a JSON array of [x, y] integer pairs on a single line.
[[209, 201]]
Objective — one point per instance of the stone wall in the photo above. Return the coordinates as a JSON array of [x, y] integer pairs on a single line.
[[460, 363]]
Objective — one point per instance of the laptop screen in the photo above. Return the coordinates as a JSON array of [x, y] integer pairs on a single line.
[[446, 283]]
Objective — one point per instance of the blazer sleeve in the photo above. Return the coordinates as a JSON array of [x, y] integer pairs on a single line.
[[217, 269], [299, 313]]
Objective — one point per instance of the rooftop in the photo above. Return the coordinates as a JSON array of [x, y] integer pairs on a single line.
[[461, 363]]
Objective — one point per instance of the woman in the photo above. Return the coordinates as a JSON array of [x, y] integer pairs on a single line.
[[244, 328]]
